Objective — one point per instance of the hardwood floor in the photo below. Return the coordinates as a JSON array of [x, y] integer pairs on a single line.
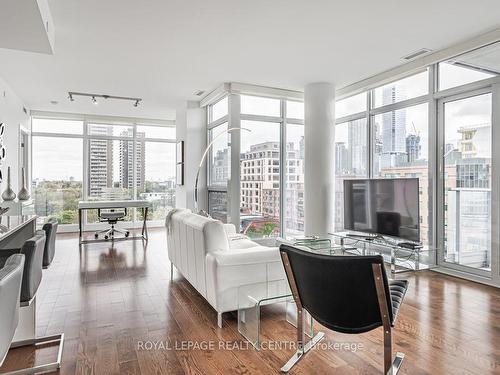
[[108, 300]]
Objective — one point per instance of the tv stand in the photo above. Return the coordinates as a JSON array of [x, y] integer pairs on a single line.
[[403, 256], [367, 236]]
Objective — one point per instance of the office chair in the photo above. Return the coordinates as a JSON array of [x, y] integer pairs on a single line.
[[111, 217], [348, 294]]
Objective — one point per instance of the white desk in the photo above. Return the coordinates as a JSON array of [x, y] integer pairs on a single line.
[[103, 205]]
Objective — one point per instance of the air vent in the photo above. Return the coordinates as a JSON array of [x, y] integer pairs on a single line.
[[416, 54], [199, 92]]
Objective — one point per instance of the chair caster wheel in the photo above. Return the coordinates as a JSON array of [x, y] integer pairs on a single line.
[[106, 237], [96, 235], [127, 234]]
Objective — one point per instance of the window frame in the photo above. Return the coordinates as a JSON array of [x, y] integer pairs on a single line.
[[86, 137], [234, 119], [433, 98]]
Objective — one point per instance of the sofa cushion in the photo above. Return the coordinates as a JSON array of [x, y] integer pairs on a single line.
[[240, 241]]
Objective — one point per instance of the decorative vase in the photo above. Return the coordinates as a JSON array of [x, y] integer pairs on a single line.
[[8, 194], [23, 194]]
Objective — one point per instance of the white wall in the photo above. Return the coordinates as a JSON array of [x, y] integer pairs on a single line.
[[13, 116], [191, 128]]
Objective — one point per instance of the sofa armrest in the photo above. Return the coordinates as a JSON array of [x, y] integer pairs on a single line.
[[226, 271]]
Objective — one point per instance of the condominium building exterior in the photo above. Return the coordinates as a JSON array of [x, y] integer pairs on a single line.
[[127, 161], [100, 161], [260, 184]]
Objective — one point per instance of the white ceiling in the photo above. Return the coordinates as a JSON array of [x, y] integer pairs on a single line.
[[163, 50]]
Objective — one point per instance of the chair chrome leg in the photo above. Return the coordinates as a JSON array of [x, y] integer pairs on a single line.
[[49, 367], [120, 231], [300, 352], [396, 364]]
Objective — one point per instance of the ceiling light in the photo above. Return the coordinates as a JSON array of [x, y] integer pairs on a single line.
[[54, 102], [72, 94]]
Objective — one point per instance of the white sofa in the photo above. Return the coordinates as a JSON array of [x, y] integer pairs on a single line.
[[216, 260]]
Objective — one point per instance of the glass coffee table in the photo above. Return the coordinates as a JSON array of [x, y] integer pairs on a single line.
[[252, 297], [400, 259]]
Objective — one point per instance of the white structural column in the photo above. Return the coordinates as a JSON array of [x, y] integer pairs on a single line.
[[319, 102], [191, 128]]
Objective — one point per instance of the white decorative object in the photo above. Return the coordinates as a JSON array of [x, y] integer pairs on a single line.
[[8, 194], [23, 194], [201, 165]]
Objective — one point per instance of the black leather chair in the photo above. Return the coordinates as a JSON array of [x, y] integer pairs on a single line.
[[50, 229], [11, 276], [348, 294], [33, 251], [32, 273]]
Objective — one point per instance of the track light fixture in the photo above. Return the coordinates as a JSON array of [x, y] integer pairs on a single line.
[[94, 97]]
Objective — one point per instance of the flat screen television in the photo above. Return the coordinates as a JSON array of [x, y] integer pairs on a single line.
[[383, 206]]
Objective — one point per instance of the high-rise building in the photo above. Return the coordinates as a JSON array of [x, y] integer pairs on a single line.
[[393, 130], [356, 151], [127, 162], [341, 163], [220, 167], [413, 147], [100, 161]]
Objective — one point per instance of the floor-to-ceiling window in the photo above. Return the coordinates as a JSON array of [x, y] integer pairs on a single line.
[[271, 152], [401, 145], [260, 166], [77, 158], [219, 159], [437, 125], [384, 133], [467, 142], [260, 179], [351, 148], [57, 169]]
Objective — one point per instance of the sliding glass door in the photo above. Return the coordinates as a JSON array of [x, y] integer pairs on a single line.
[[466, 181]]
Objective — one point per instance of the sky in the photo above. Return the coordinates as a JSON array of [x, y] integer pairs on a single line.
[[62, 158]]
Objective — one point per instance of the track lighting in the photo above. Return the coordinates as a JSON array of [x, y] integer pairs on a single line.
[[71, 95]]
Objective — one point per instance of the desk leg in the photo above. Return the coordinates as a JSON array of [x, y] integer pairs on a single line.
[[144, 227], [80, 225]]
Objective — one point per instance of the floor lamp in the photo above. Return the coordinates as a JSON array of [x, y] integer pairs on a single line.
[[201, 165]]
